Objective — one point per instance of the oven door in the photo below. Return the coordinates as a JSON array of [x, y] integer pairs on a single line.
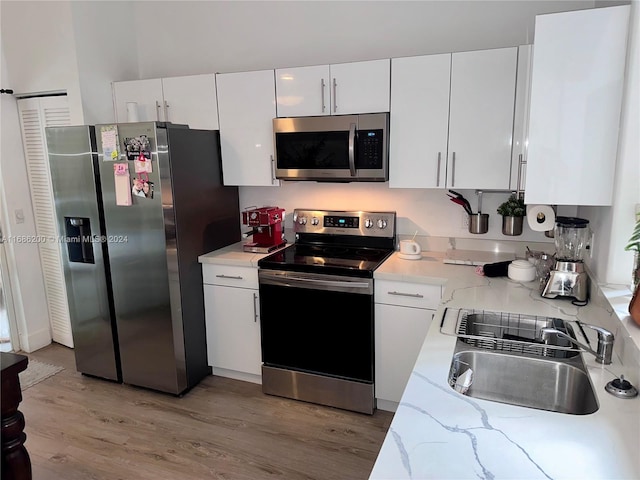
[[317, 324]]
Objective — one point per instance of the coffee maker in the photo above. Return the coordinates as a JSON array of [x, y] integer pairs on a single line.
[[568, 278], [267, 229]]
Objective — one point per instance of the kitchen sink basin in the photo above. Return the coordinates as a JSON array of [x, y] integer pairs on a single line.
[[501, 357], [558, 386]]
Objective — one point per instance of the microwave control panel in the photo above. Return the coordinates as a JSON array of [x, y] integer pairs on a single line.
[[370, 149]]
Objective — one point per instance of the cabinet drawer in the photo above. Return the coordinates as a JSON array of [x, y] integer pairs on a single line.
[[417, 295], [230, 275]]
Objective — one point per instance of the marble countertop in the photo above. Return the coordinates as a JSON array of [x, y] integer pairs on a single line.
[[233, 255], [439, 433]]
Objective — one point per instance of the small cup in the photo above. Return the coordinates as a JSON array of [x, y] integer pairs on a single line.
[[479, 223], [409, 247]]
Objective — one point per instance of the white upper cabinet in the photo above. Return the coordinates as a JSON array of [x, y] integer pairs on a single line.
[[452, 120], [521, 119], [303, 91], [246, 108], [419, 121], [483, 87], [576, 94], [360, 87], [339, 89], [146, 94], [189, 100]]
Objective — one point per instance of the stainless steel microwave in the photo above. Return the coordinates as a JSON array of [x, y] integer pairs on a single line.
[[337, 148]]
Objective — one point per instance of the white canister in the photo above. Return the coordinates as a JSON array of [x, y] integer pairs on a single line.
[[521, 271]]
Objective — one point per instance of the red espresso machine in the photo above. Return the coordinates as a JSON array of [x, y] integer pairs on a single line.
[[267, 225]]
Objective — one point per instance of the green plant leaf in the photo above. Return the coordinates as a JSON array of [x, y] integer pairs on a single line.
[[513, 207], [634, 241]]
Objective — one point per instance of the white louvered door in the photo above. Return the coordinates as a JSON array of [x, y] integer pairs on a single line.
[[35, 115]]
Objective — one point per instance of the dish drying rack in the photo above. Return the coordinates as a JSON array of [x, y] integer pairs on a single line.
[[514, 333]]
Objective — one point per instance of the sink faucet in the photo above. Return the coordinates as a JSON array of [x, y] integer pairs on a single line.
[[605, 342]]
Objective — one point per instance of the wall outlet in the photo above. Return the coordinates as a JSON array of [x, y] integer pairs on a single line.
[[464, 224], [19, 216]]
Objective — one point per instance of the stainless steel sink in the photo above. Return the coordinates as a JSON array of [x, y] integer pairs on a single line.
[[500, 357], [540, 383]]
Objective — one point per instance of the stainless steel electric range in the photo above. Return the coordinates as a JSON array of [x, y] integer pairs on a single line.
[[317, 308]]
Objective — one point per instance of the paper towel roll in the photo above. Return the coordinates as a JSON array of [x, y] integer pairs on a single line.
[[541, 217], [132, 112]]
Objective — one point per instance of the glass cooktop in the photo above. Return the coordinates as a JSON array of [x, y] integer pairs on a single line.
[[330, 260]]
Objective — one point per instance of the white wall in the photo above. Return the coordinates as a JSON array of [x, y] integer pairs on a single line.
[[106, 52], [428, 212], [32, 317], [224, 36], [40, 50]]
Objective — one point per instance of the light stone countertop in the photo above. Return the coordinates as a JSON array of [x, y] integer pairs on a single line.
[[439, 433], [233, 255]]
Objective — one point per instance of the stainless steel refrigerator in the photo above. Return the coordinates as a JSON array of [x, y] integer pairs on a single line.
[[136, 204]]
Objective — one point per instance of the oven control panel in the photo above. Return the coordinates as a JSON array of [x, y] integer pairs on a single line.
[[359, 223]]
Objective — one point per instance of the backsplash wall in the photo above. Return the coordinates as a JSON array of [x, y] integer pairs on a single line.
[[429, 212]]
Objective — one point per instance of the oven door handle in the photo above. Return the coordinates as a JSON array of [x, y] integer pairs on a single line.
[[327, 283], [289, 280]]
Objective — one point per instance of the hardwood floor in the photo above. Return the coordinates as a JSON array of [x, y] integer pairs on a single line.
[[83, 428]]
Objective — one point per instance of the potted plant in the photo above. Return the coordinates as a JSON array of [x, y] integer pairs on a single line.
[[634, 246], [513, 212]]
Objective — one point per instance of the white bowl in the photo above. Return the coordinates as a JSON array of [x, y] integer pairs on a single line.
[[521, 271]]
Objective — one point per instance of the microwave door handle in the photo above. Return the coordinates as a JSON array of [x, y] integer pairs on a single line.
[[352, 153]]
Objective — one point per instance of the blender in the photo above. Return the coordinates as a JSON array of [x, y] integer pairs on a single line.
[[568, 278]]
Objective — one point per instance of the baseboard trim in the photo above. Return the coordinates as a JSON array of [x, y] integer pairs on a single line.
[[245, 377], [35, 340]]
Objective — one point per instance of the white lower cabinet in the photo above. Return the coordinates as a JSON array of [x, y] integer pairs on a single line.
[[232, 308], [403, 314]]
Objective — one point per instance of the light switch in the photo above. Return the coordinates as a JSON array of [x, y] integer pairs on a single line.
[[19, 216]]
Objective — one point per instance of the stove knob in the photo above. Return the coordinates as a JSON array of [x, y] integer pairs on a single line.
[[382, 223], [315, 221], [302, 220], [368, 223]]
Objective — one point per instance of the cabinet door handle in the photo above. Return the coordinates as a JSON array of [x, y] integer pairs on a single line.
[[453, 169], [230, 276], [255, 310], [401, 294], [157, 111], [166, 111], [273, 170], [521, 163], [335, 95], [438, 171], [322, 85]]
